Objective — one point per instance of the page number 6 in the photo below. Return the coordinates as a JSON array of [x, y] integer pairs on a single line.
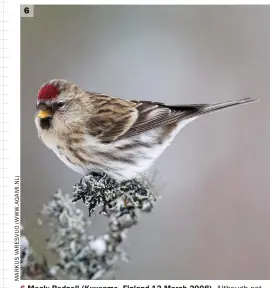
[[27, 10]]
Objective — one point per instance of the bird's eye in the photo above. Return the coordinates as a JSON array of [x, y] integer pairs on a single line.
[[60, 104]]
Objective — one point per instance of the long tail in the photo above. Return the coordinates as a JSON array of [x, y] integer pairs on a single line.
[[195, 110], [215, 107]]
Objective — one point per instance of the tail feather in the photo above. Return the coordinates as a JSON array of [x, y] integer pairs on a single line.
[[219, 106]]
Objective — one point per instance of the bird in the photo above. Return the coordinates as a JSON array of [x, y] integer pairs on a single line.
[[95, 132]]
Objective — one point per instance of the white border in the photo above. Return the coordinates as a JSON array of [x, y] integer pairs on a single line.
[[151, 284], [141, 2], [14, 106], [14, 112]]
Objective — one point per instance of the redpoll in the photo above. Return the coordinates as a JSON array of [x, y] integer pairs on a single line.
[[94, 132]]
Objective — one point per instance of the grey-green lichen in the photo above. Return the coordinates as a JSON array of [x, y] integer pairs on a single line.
[[79, 255]]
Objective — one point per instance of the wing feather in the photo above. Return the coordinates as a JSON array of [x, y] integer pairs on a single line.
[[119, 119], [155, 114], [116, 119]]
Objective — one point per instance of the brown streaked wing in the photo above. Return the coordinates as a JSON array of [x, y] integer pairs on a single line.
[[112, 118], [119, 119], [155, 114]]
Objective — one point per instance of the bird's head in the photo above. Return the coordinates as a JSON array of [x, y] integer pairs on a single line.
[[57, 102]]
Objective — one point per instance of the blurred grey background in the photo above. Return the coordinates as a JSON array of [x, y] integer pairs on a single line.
[[213, 219]]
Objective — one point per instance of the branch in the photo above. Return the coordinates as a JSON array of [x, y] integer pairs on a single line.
[[81, 256]]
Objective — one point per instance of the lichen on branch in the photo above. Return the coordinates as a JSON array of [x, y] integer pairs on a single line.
[[79, 255]]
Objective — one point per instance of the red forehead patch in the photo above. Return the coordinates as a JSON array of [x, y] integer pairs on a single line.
[[48, 92]]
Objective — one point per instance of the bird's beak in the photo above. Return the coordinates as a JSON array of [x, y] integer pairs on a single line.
[[42, 114]]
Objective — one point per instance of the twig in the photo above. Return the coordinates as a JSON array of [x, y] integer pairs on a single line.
[[81, 256]]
